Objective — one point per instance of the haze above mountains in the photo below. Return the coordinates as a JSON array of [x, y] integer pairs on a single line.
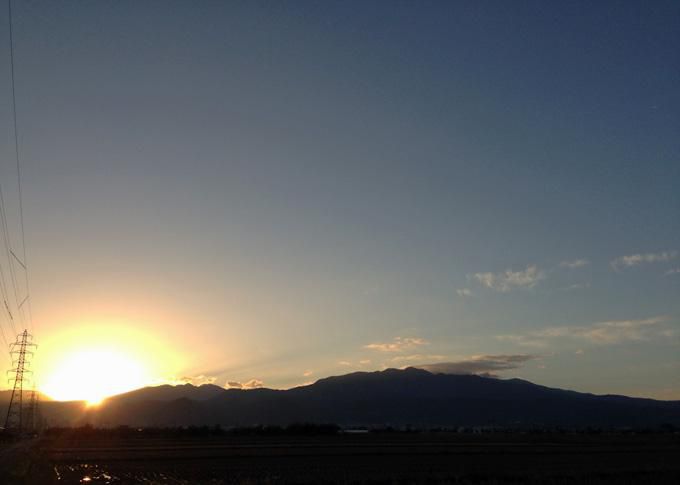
[[409, 397]]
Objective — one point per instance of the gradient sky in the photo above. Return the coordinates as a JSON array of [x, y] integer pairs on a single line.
[[280, 191]]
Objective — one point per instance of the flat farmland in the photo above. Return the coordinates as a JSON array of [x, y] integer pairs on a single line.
[[369, 458]]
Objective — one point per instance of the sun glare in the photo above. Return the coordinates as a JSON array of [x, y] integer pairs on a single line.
[[90, 363], [92, 375]]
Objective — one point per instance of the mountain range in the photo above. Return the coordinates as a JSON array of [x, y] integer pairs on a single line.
[[399, 398]]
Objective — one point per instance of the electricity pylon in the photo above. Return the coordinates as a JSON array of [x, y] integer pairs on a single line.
[[30, 421], [21, 357]]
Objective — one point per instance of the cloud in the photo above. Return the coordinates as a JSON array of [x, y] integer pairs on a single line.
[[464, 292], [420, 357], [575, 286], [307, 373], [198, 380], [601, 333], [525, 340], [672, 271], [355, 364], [509, 280], [399, 344], [609, 332], [637, 259], [251, 384], [480, 364], [577, 263]]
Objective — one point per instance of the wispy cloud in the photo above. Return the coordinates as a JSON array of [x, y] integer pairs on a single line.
[[480, 364], [509, 280], [357, 364], [399, 344], [601, 333], [575, 286], [524, 340], [609, 332], [418, 357], [672, 271], [307, 373], [198, 380], [576, 263], [464, 292], [251, 384], [637, 259]]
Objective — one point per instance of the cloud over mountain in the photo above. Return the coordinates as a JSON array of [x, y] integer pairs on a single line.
[[251, 384], [198, 380], [480, 364]]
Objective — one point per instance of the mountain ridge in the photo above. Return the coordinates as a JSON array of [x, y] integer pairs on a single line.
[[393, 397]]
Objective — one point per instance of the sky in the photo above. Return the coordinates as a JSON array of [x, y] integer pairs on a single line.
[[268, 193]]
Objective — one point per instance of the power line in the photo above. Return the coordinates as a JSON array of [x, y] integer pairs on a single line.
[[3, 290], [7, 346], [16, 152], [8, 251], [4, 339]]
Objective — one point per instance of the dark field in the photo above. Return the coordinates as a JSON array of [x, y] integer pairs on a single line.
[[368, 458]]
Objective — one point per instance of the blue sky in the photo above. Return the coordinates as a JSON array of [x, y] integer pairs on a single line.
[[288, 190]]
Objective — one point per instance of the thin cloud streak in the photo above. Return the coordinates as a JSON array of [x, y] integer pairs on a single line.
[[576, 286], [399, 344], [638, 259], [577, 263], [523, 340], [480, 364], [420, 357], [600, 333]]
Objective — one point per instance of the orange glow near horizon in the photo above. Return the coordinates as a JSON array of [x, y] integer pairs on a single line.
[[94, 374], [94, 362]]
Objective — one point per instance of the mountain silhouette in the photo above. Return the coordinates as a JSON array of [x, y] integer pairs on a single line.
[[409, 397], [167, 392], [5, 396]]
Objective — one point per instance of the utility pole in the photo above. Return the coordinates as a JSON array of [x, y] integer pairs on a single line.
[[20, 360]]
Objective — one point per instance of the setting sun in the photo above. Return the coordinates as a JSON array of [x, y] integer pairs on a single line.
[[93, 375], [92, 362]]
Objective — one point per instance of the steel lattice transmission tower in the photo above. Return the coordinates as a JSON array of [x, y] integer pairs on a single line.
[[21, 356], [30, 421]]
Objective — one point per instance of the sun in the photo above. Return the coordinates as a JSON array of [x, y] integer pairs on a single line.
[[92, 375], [90, 362]]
